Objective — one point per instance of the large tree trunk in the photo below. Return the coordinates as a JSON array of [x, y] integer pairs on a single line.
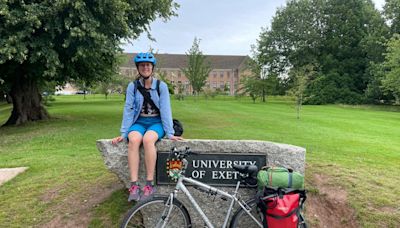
[[8, 98], [27, 105]]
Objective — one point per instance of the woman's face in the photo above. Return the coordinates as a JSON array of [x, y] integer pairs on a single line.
[[145, 69]]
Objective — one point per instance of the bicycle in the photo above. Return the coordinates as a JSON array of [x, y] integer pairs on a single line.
[[168, 211]]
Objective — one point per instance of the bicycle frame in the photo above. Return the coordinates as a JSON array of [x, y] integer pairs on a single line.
[[181, 186]]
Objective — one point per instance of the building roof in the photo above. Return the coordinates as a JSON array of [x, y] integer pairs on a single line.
[[180, 61]]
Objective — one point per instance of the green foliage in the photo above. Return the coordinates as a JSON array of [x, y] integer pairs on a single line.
[[301, 77], [375, 93], [69, 40], [197, 70], [260, 83], [391, 10], [391, 67], [180, 96], [116, 84], [208, 92], [251, 86], [163, 77], [47, 90], [344, 38]]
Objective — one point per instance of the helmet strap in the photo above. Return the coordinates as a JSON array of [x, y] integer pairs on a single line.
[[145, 78]]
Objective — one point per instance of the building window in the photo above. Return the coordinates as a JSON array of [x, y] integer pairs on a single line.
[[214, 85], [228, 74], [179, 74], [215, 74], [172, 82], [221, 74], [221, 85]]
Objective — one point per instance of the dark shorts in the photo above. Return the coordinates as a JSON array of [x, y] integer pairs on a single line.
[[144, 124]]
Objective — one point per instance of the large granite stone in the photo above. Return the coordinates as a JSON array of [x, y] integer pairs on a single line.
[[276, 154]]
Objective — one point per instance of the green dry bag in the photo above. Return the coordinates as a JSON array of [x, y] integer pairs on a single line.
[[279, 177]]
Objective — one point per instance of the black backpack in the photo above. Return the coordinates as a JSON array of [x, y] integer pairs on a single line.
[[177, 125]]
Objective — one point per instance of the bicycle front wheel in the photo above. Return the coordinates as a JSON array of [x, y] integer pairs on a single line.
[[153, 213], [243, 220]]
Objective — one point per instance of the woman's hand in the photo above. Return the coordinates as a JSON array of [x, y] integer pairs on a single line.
[[175, 138], [117, 140]]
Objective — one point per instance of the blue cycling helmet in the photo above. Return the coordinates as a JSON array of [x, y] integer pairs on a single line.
[[145, 57]]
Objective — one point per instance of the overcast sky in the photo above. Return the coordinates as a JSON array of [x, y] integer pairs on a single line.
[[225, 27]]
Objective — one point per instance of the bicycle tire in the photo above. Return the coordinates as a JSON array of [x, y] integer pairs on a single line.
[[150, 212], [241, 219]]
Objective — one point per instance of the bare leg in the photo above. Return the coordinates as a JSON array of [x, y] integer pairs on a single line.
[[135, 139], [150, 153]]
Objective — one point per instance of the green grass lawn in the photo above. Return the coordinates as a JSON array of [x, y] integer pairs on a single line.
[[357, 147]]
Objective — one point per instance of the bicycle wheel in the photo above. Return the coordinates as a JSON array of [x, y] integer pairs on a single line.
[[152, 213], [242, 220]]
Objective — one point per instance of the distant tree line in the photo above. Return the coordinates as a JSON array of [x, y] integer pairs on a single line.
[[332, 51]]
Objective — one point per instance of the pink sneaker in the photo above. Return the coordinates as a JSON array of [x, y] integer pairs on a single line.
[[148, 191], [134, 193]]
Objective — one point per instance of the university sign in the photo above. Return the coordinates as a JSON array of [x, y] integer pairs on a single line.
[[213, 169]]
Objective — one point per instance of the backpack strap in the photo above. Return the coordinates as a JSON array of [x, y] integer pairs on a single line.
[[262, 206], [290, 178], [135, 87], [158, 86], [146, 95]]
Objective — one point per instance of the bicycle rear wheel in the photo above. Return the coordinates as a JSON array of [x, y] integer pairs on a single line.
[[152, 213], [242, 220]]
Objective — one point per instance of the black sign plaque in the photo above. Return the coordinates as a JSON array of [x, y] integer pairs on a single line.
[[212, 169]]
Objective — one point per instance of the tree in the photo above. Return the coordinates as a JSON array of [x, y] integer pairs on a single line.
[[267, 82], [301, 76], [294, 36], [180, 96], [391, 10], [197, 70], [252, 86], [105, 87], [163, 77], [350, 26], [42, 41], [344, 37], [391, 68], [83, 86]]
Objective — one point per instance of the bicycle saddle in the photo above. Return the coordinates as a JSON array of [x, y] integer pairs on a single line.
[[247, 169]]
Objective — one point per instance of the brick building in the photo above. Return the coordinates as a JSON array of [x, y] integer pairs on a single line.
[[226, 71]]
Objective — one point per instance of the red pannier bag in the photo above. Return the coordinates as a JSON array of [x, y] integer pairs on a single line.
[[281, 208]]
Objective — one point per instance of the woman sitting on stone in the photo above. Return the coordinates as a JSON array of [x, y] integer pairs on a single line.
[[145, 122]]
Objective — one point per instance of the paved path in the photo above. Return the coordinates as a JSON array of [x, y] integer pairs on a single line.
[[7, 174]]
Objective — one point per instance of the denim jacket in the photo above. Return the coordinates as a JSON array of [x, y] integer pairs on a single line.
[[134, 103]]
